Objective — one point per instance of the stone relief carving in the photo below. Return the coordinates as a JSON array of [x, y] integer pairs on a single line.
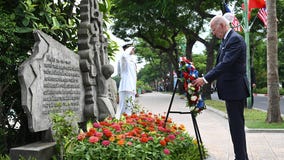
[[94, 62]]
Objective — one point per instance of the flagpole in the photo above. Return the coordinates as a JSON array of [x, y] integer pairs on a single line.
[[247, 30]]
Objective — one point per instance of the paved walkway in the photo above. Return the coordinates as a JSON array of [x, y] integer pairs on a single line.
[[214, 130]]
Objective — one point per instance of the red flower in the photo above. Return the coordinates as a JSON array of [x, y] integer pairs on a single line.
[[185, 75], [167, 139], [81, 136], [105, 123], [91, 132], [171, 137], [162, 129], [144, 139], [93, 139], [163, 142], [107, 132], [96, 125], [144, 135], [105, 142], [167, 151], [117, 127], [98, 134], [192, 78]]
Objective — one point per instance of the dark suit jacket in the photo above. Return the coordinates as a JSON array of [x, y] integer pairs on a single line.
[[230, 69]]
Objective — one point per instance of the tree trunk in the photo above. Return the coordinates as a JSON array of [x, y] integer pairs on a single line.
[[273, 112]]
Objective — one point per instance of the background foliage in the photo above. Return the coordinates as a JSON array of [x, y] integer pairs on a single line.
[[166, 47]]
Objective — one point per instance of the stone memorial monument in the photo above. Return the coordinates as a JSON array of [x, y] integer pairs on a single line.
[[55, 79], [51, 81]]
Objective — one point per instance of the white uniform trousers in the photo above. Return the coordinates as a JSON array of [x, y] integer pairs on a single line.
[[126, 101]]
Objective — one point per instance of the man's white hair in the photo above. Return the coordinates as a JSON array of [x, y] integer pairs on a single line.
[[229, 16], [220, 19]]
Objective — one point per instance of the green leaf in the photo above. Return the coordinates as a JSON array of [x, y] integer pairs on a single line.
[[56, 24], [26, 21], [23, 30]]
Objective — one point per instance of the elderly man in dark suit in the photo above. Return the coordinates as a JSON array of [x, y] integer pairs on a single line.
[[232, 84]]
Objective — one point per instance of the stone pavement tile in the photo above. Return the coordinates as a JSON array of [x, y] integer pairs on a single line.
[[258, 144], [266, 146]]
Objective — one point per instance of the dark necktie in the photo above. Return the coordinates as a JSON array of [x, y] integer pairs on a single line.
[[223, 42], [221, 50]]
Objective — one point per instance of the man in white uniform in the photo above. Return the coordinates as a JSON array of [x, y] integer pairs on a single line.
[[127, 85]]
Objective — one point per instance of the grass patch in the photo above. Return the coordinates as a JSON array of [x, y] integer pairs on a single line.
[[254, 118]]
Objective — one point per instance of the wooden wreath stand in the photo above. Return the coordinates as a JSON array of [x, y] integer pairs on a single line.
[[195, 125]]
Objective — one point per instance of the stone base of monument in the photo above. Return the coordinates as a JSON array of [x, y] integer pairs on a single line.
[[38, 150]]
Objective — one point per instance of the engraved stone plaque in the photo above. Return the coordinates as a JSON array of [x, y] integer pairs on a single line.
[[51, 81]]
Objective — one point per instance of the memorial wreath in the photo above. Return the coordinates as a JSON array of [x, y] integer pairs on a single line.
[[188, 74]]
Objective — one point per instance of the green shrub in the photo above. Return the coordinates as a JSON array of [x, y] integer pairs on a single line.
[[281, 91], [145, 87], [5, 157], [261, 90], [65, 128], [264, 91]]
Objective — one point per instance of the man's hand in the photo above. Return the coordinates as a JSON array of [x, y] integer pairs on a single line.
[[198, 82]]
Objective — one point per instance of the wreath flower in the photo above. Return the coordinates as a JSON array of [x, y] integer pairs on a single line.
[[188, 73]]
